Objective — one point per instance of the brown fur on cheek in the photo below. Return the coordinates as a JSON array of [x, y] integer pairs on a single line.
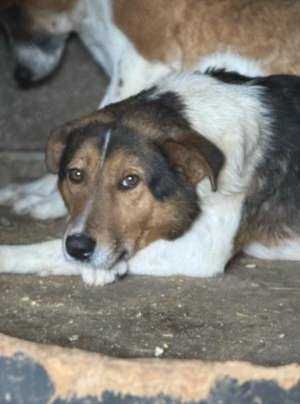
[[74, 198], [140, 219], [161, 224]]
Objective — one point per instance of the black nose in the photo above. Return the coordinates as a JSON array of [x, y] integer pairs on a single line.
[[80, 246], [23, 76]]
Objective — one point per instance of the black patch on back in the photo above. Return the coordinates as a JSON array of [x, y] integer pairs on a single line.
[[172, 101], [274, 200], [227, 76]]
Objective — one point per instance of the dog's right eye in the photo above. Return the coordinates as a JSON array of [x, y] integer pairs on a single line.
[[75, 175]]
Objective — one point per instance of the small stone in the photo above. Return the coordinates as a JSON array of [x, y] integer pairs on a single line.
[[158, 351], [250, 265], [7, 397]]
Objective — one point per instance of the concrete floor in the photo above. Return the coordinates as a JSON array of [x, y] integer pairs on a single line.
[[251, 313]]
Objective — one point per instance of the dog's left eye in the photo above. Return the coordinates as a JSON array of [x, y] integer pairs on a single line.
[[75, 175], [129, 182]]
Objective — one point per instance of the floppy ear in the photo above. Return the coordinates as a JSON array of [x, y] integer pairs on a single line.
[[55, 147], [194, 157]]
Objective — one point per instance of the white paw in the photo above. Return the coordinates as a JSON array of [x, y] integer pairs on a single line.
[[39, 198], [101, 277], [97, 277]]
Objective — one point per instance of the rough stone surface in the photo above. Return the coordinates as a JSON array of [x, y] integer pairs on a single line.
[[251, 313]]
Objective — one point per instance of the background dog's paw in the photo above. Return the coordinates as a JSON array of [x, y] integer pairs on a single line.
[[39, 199], [9, 194], [41, 207], [97, 277]]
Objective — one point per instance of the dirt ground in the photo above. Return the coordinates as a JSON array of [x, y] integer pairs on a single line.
[[251, 313]]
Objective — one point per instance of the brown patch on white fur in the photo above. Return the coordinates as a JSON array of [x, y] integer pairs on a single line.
[[185, 30]]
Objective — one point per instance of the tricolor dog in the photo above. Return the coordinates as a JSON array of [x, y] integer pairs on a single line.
[[176, 180], [137, 42]]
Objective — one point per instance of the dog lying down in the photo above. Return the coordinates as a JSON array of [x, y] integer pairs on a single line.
[[176, 180]]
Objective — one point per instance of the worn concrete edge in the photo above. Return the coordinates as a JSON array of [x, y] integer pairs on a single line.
[[76, 373]]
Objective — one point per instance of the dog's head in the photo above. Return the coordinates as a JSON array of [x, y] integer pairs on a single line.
[[37, 32], [128, 176]]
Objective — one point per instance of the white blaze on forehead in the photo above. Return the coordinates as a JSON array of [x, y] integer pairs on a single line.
[[107, 137]]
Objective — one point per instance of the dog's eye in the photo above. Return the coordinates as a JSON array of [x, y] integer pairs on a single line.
[[129, 182], [75, 175]]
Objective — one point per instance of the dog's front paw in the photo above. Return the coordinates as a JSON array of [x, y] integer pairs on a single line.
[[97, 277], [101, 277], [9, 194], [39, 199]]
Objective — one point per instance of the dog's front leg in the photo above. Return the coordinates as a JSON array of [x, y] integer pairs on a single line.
[[47, 258], [42, 258]]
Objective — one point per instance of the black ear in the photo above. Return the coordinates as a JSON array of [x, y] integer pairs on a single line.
[[194, 157]]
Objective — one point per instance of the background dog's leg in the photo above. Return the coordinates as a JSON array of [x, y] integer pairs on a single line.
[[47, 259], [42, 207], [39, 198]]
